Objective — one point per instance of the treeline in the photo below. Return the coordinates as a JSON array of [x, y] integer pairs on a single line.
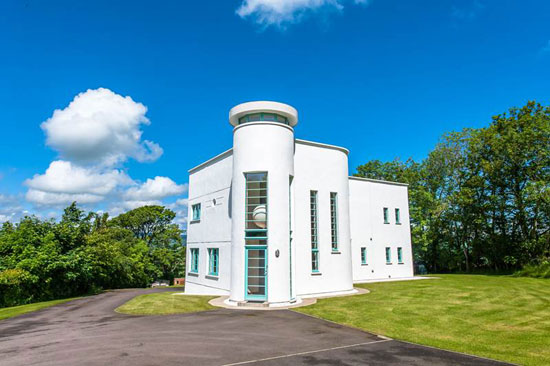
[[481, 199], [87, 252]]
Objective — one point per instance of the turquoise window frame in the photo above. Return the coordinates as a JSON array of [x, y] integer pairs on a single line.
[[334, 221], [363, 255], [388, 255], [314, 218], [194, 260], [268, 117], [254, 234], [213, 261], [386, 216], [196, 209], [248, 296], [256, 238], [400, 255], [397, 216]]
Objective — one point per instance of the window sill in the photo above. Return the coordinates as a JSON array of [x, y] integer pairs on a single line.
[[386, 223], [336, 252], [212, 277], [389, 264], [316, 273], [194, 221], [401, 263], [193, 274], [397, 223], [364, 264]]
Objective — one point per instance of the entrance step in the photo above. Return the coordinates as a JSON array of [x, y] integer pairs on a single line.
[[253, 304]]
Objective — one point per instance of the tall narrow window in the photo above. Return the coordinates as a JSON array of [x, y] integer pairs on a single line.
[[256, 209], [314, 231], [213, 261], [386, 216], [194, 260], [400, 255], [363, 255], [388, 255], [334, 220], [196, 212], [397, 216]]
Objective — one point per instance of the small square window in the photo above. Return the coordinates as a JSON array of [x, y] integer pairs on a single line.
[[196, 212]]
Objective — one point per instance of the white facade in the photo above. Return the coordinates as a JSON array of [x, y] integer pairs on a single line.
[[257, 232]]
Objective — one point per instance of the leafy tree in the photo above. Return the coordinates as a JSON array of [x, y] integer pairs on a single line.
[[481, 198]]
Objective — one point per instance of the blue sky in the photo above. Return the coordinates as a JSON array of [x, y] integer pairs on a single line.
[[384, 78]]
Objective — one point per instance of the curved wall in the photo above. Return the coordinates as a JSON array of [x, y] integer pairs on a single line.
[[322, 168], [263, 147]]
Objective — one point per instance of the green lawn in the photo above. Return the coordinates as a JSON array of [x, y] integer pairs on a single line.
[[22, 309], [164, 303], [499, 317]]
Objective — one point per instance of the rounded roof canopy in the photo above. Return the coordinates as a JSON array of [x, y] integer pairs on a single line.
[[282, 109]]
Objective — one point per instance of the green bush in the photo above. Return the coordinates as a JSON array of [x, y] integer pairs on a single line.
[[83, 253], [541, 270], [14, 287]]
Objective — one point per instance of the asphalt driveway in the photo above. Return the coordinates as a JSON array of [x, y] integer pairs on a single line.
[[88, 332]]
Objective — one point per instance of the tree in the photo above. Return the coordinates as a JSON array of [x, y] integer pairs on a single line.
[[152, 224]]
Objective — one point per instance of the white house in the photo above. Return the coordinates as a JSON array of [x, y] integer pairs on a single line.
[[276, 219]]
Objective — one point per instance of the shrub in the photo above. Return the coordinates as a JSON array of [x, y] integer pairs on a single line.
[[541, 270]]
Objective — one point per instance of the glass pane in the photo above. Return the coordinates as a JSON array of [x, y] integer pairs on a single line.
[[256, 272], [256, 290]]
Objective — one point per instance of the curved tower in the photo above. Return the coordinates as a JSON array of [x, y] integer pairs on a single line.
[[263, 169]]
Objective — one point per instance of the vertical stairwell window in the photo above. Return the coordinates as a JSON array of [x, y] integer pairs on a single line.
[[334, 220], [386, 216], [363, 255], [397, 217], [400, 255], [388, 255], [314, 231], [256, 209]]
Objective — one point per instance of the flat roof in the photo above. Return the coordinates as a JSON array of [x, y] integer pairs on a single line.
[[325, 146], [379, 181], [210, 161], [263, 106]]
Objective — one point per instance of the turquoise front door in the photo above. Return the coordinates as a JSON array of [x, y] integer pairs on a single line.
[[256, 273]]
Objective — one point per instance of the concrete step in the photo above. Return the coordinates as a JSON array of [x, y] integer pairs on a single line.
[[253, 304]]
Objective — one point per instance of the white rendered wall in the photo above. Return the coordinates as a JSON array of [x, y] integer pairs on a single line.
[[263, 147], [210, 181], [367, 200], [325, 170]]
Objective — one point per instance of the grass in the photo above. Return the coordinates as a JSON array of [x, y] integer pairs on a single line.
[[165, 303], [499, 317], [23, 309]]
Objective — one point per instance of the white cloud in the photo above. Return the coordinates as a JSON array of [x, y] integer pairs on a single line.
[[182, 202], [10, 208], [155, 189], [100, 127], [280, 12], [61, 199], [95, 135], [65, 177]]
